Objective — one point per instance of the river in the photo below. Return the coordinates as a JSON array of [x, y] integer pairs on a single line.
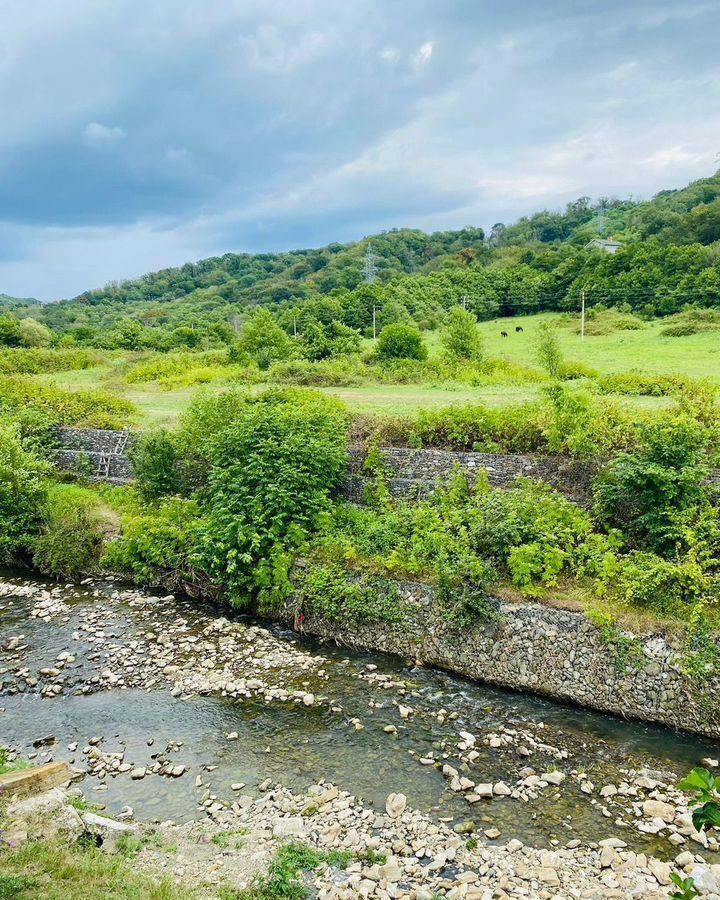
[[136, 670]]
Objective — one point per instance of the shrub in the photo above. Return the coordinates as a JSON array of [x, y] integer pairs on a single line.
[[37, 361], [272, 472], [570, 371], [692, 321], [339, 596], [89, 409], [400, 341], [263, 340], [71, 535], [22, 493], [159, 545], [156, 458], [459, 336], [648, 493], [340, 372], [514, 429], [639, 384], [667, 588], [547, 349]]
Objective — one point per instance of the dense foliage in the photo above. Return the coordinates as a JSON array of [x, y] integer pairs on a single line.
[[324, 299]]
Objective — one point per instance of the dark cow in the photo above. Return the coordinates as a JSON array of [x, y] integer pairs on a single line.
[[518, 329], [503, 334]]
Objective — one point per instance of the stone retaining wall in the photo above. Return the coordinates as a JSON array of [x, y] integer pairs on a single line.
[[556, 653], [96, 452], [416, 472]]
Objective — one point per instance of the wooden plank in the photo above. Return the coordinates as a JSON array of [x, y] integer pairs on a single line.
[[25, 782]]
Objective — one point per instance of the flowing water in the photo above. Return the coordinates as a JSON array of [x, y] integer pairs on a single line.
[[297, 745]]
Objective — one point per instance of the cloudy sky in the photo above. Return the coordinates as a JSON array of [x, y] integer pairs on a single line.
[[138, 134]]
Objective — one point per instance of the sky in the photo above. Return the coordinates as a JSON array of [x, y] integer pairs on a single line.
[[137, 135]]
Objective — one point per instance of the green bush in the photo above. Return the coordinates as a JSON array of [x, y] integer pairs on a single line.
[[158, 546], [36, 361], [639, 384], [547, 349], [87, 409], [459, 336], [339, 596], [155, 458], [514, 429], [650, 493], [22, 493], [400, 341], [71, 533], [273, 469], [168, 365]]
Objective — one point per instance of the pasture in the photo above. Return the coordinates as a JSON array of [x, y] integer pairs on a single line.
[[644, 350]]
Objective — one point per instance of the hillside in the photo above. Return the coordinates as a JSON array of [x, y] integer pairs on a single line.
[[669, 259]]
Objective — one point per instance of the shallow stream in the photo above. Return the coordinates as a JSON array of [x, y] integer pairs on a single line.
[[340, 737]]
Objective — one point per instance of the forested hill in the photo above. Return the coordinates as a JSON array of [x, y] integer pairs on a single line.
[[669, 259]]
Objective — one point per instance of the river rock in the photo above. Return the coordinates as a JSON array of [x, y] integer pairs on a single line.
[[657, 809], [395, 805], [291, 827]]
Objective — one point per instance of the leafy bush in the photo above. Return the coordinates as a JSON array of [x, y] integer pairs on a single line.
[[71, 534], [649, 493], [167, 365], [547, 349], [156, 460], [514, 429], [339, 596], [341, 372], [159, 544], [459, 336], [273, 469], [37, 361], [400, 341], [637, 383], [692, 321], [22, 492], [570, 371], [89, 409], [667, 588]]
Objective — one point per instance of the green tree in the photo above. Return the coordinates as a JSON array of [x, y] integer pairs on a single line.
[[401, 342], [547, 349], [263, 339], [9, 332], [459, 336], [33, 333]]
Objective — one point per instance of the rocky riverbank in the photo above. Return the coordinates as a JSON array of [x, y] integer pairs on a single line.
[[395, 852]]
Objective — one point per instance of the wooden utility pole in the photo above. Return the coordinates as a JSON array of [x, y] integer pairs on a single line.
[[582, 317]]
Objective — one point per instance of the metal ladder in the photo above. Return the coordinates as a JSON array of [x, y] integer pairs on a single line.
[[103, 467], [122, 441]]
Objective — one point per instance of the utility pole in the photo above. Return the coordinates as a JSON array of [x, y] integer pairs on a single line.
[[582, 317], [374, 323], [294, 326]]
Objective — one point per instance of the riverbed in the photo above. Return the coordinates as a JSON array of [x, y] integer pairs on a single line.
[[101, 672]]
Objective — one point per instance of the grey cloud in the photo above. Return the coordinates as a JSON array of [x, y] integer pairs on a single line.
[[140, 135]]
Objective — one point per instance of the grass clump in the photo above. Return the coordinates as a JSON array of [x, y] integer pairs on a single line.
[[45, 870]]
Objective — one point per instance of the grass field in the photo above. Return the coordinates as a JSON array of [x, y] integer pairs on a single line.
[[646, 350]]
